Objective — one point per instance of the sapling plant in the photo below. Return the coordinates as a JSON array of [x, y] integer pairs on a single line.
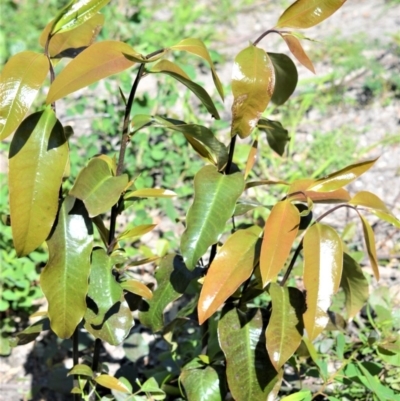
[[222, 266]]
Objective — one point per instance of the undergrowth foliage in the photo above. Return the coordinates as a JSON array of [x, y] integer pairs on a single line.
[[88, 279]]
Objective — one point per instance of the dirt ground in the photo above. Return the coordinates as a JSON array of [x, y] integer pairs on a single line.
[[373, 121]]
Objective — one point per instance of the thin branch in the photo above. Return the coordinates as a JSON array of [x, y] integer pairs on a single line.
[[125, 128], [230, 155], [263, 35], [292, 263], [75, 357], [300, 246], [52, 73]]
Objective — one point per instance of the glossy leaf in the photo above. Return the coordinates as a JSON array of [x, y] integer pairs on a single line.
[[112, 383], [243, 206], [136, 232], [38, 156], [138, 288], [150, 193], [355, 286], [97, 187], [342, 177], [231, 267], [197, 47], [280, 232], [249, 371], [202, 384], [77, 13], [64, 280], [71, 43], [98, 61], [81, 369], [251, 158], [20, 80], [215, 197], [253, 82], [301, 192], [277, 136], [200, 134], [173, 70], [103, 288], [323, 264], [30, 333], [172, 280], [116, 326], [285, 327], [297, 50], [307, 13], [369, 239], [371, 201], [285, 77]]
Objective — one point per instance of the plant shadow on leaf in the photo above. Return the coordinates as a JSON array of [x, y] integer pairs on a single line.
[[17, 145], [80, 210], [112, 311]]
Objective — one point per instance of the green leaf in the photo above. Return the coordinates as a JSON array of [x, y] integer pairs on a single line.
[[136, 232], [71, 43], [355, 286], [297, 50], [231, 267], [150, 193], [172, 280], [342, 177], [30, 333], [81, 369], [20, 80], [173, 70], [280, 231], [97, 187], [277, 136], [38, 156], [285, 328], [103, 288], [215, 197], [64, 280], [138, 288], [112, 383], [197, 47], [253, 82], [249, 371], [285, 77], [371, 201], [116, 326], [202, 384], [373, 383], [307, 13], [200, 134], [304, 395], [98, 61], [76, 13], [323, 265], [151, 386]]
